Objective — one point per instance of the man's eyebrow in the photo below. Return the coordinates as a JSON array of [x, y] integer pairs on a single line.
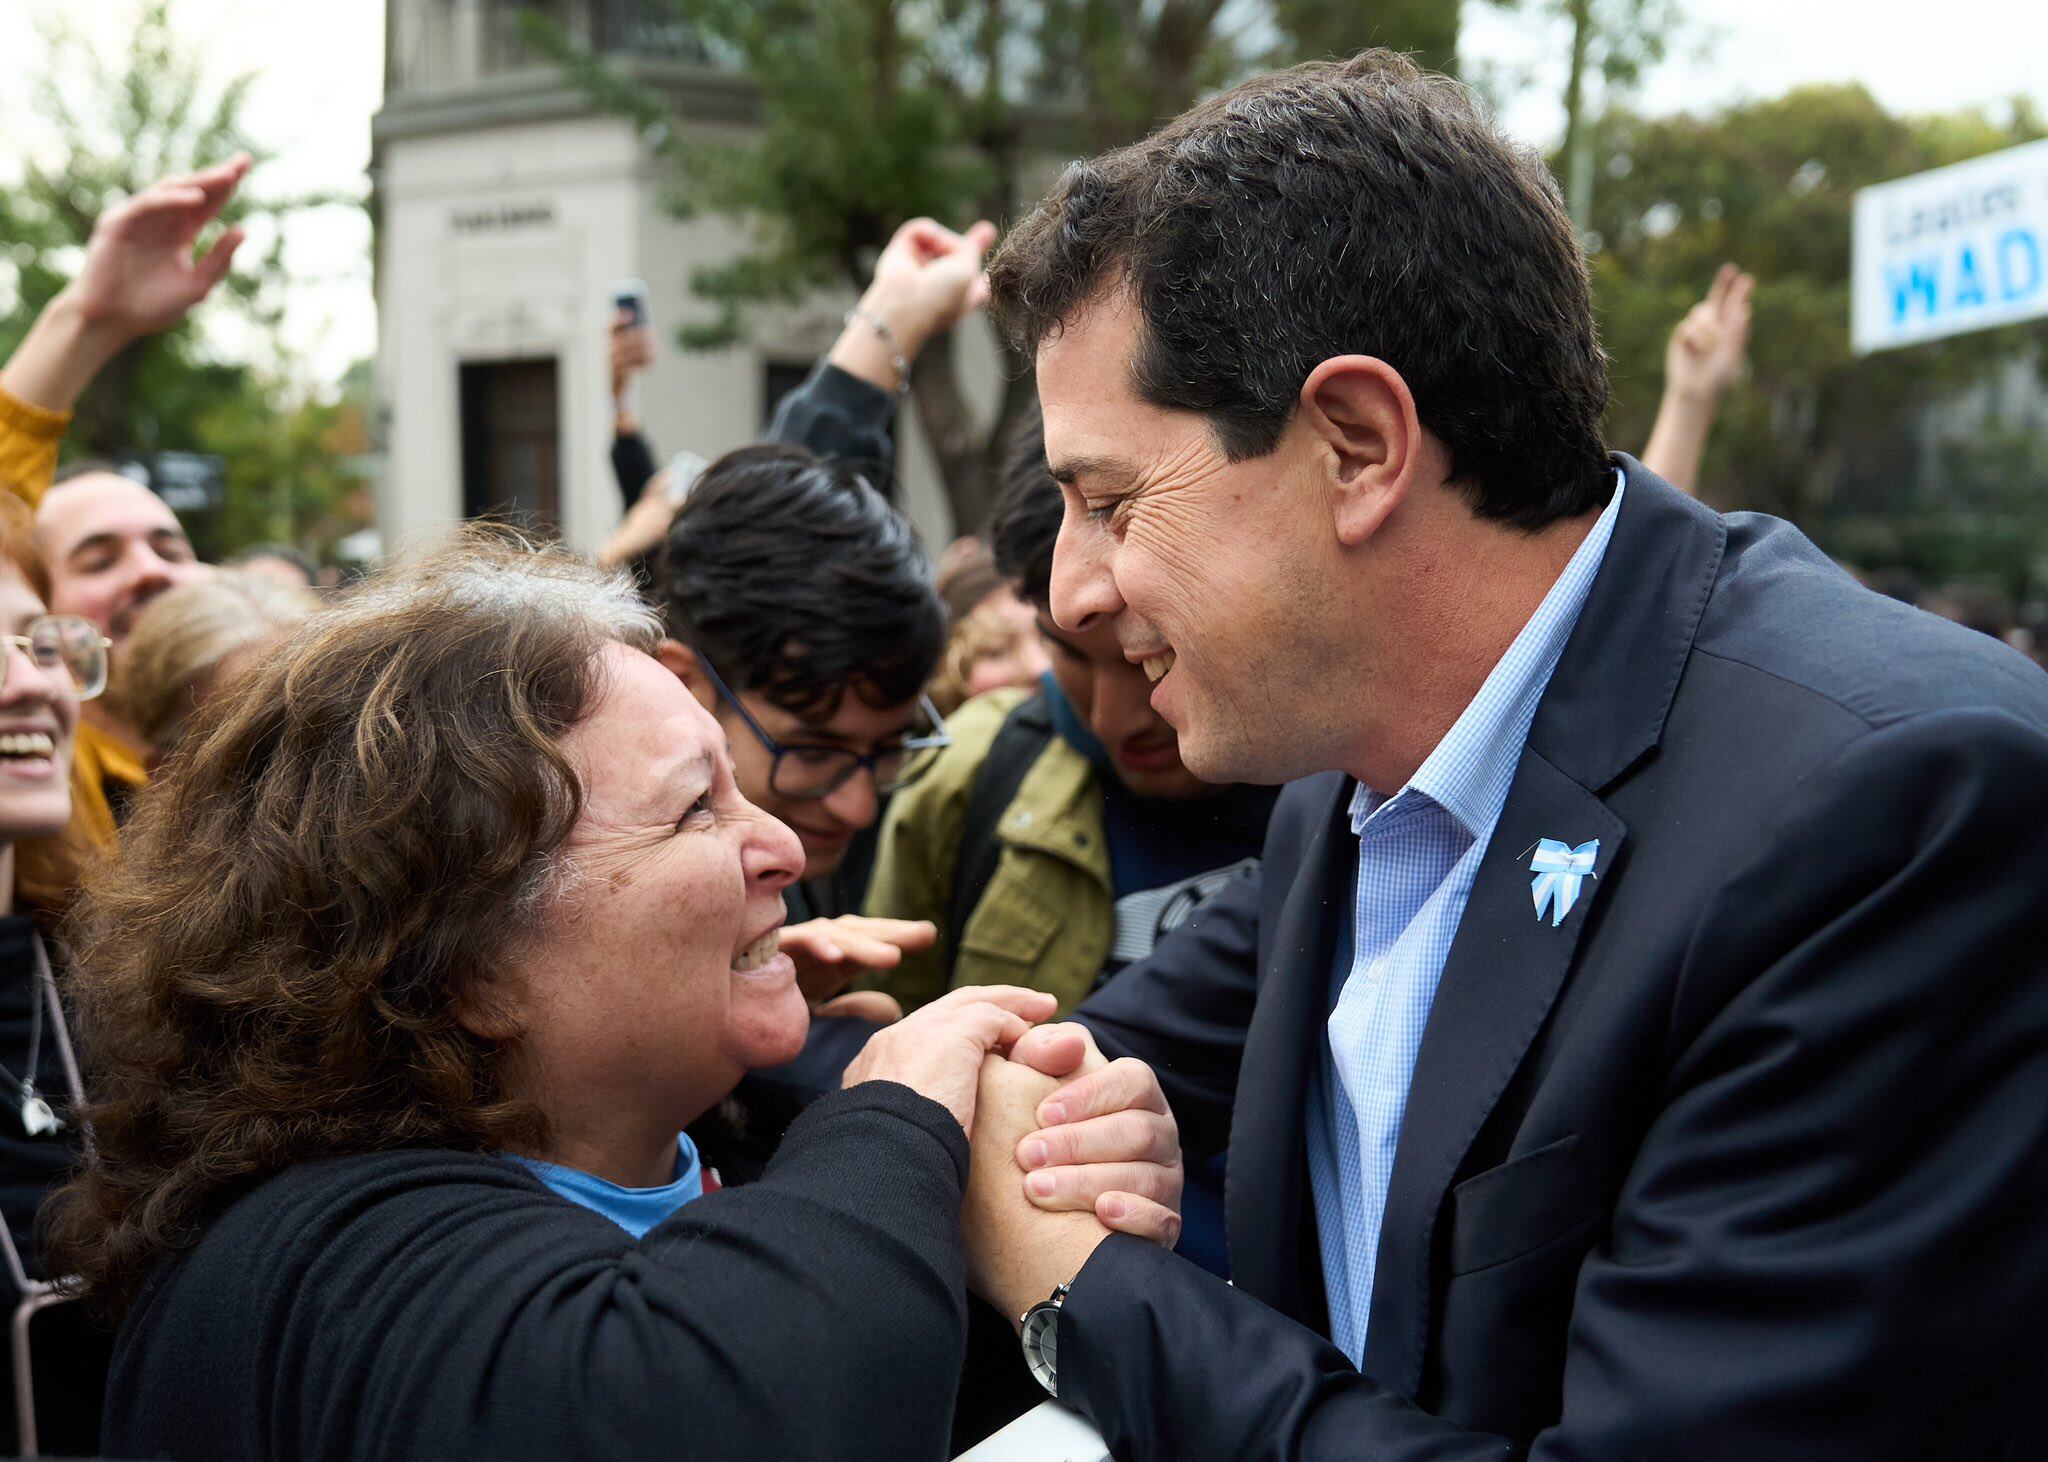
[[89, 543], [1068, 468]]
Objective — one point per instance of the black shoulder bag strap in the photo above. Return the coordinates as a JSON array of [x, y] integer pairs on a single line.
[[1016, 749]]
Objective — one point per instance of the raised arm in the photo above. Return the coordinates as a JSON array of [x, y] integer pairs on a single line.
[[1706, 356], [926, 281], [139, 276]]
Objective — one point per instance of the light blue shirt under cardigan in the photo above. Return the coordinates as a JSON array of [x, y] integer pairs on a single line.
[[636, 1210], [1418, 852]]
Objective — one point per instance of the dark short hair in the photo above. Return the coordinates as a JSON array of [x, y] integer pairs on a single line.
[[796, 579], [1025, 523], [1356, 207]]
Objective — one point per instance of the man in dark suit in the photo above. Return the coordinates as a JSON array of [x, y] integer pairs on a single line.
[[1635, 1042]]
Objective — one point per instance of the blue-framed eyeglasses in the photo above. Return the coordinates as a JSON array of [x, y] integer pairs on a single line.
[[809, 771]]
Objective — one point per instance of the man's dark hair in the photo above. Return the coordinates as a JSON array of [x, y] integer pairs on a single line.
[[796, 579], [1361, 207], [1026, 521]]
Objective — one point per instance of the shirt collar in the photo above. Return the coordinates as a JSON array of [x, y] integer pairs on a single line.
[[1468, 773]]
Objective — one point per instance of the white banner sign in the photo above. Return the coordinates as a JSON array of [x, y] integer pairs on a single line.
[[1957, 249]]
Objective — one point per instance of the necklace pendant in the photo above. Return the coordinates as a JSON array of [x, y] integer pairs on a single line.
[[36, 1116]]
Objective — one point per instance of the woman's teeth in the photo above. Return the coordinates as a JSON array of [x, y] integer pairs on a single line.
[[759, 952], [1156, 666], [27, 744]]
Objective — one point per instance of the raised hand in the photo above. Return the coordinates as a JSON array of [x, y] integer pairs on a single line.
[[926, 280], [140, 275], [1708, 349]]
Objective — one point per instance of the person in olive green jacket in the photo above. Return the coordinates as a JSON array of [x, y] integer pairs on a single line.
[[1058, 836]]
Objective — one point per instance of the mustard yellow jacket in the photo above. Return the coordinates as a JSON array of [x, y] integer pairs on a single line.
[[29, 437]]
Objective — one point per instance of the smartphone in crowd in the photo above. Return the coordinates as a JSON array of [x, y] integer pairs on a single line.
[[683, 471], [630, 296]]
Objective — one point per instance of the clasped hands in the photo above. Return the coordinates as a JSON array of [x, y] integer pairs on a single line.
[[1067, 1145]]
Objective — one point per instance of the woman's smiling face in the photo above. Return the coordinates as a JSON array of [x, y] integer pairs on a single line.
[[653, 983], [36, 727]]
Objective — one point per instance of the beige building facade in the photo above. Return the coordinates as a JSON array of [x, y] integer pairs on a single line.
[[508, 209]]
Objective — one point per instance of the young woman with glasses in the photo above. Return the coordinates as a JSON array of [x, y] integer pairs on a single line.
[[48, 664]]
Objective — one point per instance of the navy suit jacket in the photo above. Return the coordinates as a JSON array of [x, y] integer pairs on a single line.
[[1746, 1159]]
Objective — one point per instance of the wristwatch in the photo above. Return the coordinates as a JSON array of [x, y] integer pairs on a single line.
[[1041, 1339]]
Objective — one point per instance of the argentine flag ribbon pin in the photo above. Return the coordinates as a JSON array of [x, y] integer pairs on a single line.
[[1559, 870]]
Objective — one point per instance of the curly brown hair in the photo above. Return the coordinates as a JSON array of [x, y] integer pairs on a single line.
[[278, 964]]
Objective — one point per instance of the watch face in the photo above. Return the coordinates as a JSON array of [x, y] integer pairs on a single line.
[[1041, 1345]]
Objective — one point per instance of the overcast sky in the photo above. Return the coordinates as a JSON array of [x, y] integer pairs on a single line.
[[320, 66]]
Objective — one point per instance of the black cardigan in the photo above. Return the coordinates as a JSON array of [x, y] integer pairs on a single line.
[[447, 1305]]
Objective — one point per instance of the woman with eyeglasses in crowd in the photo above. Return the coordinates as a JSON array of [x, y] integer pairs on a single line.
[[48, 664]]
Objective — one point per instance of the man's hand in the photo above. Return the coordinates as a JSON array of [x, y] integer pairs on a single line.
[[1710, 345], [139, 277], [937, 1050], [1016, 1253], [1103, 1142], [830, 953], [926, 281]]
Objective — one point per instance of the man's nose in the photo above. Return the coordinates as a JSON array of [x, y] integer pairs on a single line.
[[1083, 592]]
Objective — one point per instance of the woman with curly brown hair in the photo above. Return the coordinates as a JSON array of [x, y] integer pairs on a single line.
[[409, 973]]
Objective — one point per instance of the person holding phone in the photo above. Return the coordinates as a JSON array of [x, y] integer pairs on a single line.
[[927, 280]]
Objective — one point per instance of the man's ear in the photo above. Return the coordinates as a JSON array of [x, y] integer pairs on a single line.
[[681, 661], [1362, 416]]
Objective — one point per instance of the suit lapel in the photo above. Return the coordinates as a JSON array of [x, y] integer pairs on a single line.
[[1504, 970], [1265, 1185], [1603, 711]]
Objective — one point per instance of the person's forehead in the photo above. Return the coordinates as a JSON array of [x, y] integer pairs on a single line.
[[102, 502], [1098, 430], [639, 702]]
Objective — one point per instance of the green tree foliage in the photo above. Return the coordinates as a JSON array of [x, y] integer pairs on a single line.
[[1839, 444], [115, 124], [874, 111]]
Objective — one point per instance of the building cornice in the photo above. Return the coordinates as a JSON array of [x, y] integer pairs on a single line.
[[540, 93]]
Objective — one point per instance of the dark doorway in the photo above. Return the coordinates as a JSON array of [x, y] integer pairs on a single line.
[[511, 441]]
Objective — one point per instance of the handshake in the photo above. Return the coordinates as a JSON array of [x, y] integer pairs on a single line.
[[1067, 1146]]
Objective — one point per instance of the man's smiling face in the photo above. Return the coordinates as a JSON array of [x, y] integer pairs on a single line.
[[1206, 568], [114, 546]]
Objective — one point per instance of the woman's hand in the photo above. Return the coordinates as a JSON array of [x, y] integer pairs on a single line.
[[937, 1050], [831, 953]]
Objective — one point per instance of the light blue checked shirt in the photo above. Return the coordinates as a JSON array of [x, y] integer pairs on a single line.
[[1418, 852]]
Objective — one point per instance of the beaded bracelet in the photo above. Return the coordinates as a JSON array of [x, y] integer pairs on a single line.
[[881, 327]]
